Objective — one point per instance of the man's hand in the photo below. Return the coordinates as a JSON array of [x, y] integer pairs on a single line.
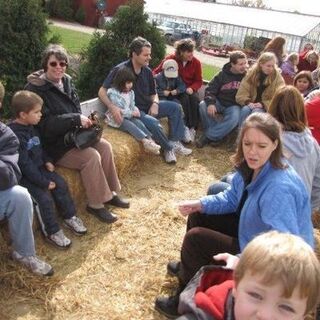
[[117, 114], [212, 110], [189, 91], [189, 206], [49, 166], [154, 109], [166, 92]]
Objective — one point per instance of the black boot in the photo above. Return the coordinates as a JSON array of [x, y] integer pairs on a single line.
[[168, 306], [173, 268]]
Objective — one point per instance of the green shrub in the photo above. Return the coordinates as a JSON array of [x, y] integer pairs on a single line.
[[80, 15], [108, 49], [60, 8], [23, 30]]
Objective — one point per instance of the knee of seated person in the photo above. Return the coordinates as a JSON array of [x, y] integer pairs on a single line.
[[21, 195], [194, 233]]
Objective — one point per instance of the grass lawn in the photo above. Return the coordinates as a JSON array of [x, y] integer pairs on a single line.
[[73, 41], [209, 71]]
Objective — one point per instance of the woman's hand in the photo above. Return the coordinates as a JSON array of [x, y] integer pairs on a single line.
[[189, 91], [85, 121], [189, 206], [230, 260]]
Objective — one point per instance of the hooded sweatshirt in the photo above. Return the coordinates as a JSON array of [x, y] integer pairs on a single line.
[[224, 87], [60, 112], [303, 153]]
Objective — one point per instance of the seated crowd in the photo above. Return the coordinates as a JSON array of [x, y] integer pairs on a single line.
[[269, 115]]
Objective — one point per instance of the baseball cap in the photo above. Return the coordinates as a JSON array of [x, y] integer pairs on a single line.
[[170, 68]]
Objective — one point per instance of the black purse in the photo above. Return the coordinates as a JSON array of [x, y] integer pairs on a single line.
[[82, 138]]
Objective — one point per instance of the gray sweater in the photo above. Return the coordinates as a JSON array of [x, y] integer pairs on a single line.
[[303, 153]]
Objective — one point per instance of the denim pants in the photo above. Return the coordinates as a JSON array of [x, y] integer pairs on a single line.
[[47, 199], [245, 113], [173, 112], [16, 207], [215, 129], [136, 128]]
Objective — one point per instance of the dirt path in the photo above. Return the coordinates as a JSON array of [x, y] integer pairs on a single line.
[[116, 272]]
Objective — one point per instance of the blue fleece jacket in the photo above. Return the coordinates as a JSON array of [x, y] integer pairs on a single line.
[[277, 200]]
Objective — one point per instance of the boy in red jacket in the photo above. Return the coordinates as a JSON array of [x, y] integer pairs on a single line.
[[277, 277]]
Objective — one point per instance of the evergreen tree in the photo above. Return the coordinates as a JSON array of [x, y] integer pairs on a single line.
[[108, 49], [23, 30]]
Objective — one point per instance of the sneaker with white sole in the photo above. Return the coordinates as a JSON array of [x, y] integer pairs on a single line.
[[179, 148], [187, 137], [33, 263], [75, 224], [169, 156], [59, 240], [150, 146]]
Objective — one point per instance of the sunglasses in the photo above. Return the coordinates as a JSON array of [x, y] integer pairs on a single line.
[[62, 64]]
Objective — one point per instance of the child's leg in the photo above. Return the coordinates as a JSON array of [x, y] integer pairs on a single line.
[[130, 127], [16, 206], [141, 126], [61, 195], [44, 200]]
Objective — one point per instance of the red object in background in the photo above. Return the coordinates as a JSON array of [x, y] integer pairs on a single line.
[[92, 14], [313, 116]]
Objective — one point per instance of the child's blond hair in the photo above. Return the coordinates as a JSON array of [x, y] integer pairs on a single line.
[[285, 258], [2, 92], [24, 101], [292, 57]]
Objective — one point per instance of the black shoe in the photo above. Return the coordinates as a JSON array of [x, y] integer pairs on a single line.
[[168, 306], [173, 268], [202, 141], [118, 202], [103, 214]]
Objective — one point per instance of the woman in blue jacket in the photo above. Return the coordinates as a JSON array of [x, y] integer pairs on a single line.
[[265, 194]]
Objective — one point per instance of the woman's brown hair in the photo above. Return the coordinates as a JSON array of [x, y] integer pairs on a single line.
[[270, 127], [287, 107]]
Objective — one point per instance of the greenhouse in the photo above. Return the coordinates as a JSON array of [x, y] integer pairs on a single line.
[[238, 27]]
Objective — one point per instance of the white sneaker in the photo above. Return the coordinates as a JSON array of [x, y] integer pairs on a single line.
[[33, 263], [150, 146], [59, 240], [179, 148], [187, 137], [169, 156], [192, 132], [76, 225]]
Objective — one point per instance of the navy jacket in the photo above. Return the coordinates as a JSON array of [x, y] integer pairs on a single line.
[[31, 156], [164, 83], [9, 170]]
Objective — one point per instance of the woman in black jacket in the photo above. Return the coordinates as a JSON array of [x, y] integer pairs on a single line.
[[61, 113]]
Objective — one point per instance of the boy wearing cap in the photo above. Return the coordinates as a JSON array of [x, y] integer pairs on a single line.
[[168, 83]]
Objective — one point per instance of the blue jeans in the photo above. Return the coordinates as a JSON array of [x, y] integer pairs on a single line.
[[173, 112], [16, 207], [214, 129], [136, 128], [245, 113]]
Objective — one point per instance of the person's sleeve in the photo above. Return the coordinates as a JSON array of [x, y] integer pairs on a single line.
[[108, 80], [181, 87], [160, 85], [8, 177], [197, 81], [29, 170], [226, 201], [212, 90], [243, 96]]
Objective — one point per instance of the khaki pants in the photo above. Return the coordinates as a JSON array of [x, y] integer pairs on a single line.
[[97, 170]]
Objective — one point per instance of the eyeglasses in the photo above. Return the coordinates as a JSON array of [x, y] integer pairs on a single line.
[[62, 64]]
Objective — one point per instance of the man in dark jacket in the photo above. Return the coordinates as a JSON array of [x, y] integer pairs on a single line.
[[16, 203], [219, 111]]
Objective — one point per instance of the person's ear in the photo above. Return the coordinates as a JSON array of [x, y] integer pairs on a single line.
[[275, 144]]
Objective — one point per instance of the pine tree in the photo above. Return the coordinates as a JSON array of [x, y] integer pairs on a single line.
[[23, 30]]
